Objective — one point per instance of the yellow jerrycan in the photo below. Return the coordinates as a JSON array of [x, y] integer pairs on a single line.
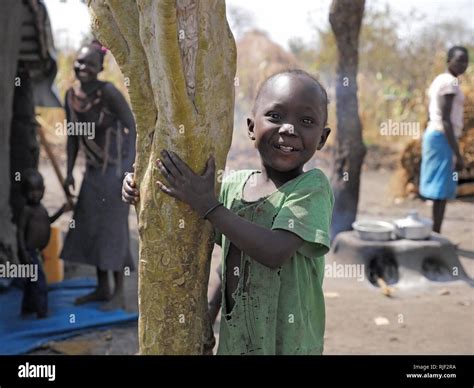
[[52, 264]]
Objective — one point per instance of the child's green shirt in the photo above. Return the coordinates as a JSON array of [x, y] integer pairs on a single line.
[[279, 311]]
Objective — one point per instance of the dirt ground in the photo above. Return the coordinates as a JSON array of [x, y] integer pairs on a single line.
[[423, 318]]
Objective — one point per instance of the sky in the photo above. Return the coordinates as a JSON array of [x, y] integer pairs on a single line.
[[282, 19]]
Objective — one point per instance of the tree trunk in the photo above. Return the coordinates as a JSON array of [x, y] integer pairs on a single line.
[[346, 18], [178, 57]]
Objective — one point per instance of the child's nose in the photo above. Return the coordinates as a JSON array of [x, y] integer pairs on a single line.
[[289, 129]]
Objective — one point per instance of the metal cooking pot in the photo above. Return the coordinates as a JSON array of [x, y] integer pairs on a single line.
[[413, 227], [374, 230]]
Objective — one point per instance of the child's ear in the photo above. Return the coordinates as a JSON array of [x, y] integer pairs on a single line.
[[250, 128], [324, 137]]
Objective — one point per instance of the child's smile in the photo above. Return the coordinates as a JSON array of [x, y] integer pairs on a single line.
[[285, 149], [87, 65], [287, 146]]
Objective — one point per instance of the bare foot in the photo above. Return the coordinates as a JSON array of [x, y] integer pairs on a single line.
[[117, 302], [27, 311], [95, 296]]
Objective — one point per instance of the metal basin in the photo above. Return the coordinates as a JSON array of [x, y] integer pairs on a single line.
[[374, 230], [413, 227]]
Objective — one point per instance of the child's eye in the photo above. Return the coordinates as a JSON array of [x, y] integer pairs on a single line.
[[274, 116], [308, 121]]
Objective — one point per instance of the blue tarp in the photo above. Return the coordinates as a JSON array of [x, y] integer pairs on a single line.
[[19, 335]]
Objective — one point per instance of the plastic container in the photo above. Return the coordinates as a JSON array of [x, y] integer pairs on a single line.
[[52, 264]]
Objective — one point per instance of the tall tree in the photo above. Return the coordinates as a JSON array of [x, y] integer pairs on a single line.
[[345, 17], [178, 57]]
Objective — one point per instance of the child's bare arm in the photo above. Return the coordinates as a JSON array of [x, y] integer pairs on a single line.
[[22, 250], [59, 213], [269, 247]]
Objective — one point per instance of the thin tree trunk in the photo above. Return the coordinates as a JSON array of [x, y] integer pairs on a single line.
[[346, 18], [179, 57]]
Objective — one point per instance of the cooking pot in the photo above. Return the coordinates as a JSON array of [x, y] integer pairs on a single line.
[[374, 230], [413, 227]]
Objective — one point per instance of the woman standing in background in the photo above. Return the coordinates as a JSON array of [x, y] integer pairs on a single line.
[[100, 235], [440, 149]]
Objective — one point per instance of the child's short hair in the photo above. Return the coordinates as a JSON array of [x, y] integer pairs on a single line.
[[31, 177], [296, 72]]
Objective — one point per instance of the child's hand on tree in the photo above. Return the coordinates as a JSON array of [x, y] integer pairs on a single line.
[[130, 194], [183, 184]]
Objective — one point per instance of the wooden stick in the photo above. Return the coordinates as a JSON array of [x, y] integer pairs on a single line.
[[386, 290], [57, 170]]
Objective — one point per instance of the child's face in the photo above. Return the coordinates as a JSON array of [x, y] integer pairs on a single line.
[[34, 192], [289, 122], [87, 65]]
